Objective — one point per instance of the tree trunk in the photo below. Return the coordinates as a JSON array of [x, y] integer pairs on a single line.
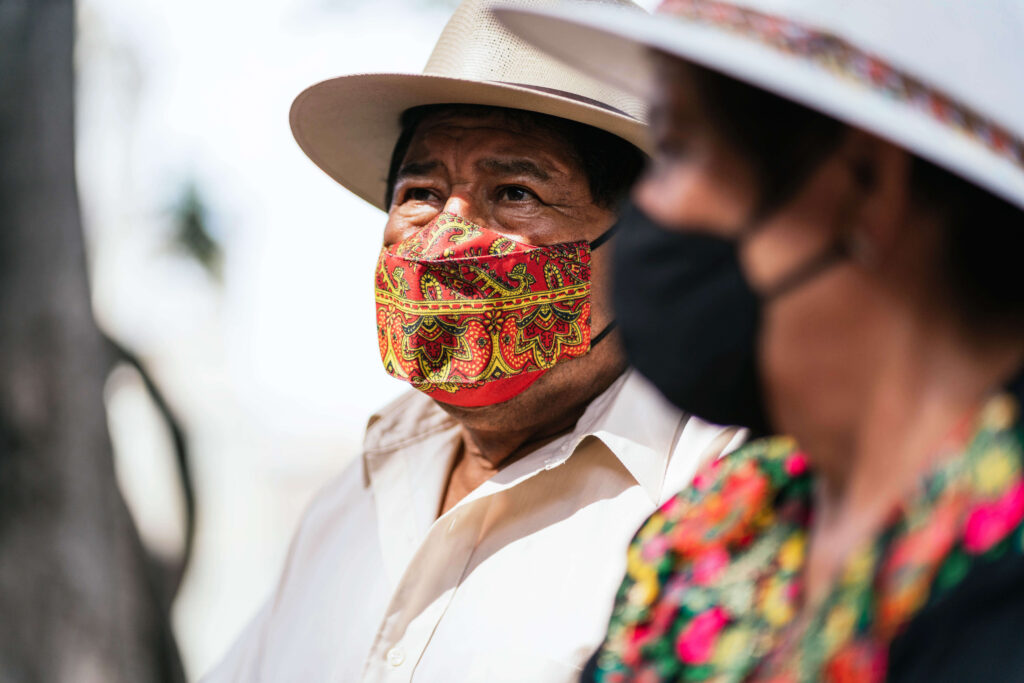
[[78, 602]]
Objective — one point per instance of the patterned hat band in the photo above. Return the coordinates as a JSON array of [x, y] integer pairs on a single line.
[[852, 64]]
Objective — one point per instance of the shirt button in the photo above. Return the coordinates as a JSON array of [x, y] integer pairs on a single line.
[[396, 657]]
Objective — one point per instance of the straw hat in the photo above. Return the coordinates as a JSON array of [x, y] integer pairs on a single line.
[[348, 126], [943, 79]]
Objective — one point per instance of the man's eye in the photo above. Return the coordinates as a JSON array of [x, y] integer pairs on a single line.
[[419, 194], [514, 193]]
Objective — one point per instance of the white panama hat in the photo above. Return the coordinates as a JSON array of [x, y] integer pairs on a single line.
[[944, 79], [349, 125]]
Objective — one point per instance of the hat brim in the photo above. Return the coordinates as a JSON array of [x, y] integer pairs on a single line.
[[348, 126], [617, 47]]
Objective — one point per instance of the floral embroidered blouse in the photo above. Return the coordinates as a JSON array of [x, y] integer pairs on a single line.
[[713, 585]]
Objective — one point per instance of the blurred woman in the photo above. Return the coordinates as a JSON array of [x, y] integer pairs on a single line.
[[831, 242]]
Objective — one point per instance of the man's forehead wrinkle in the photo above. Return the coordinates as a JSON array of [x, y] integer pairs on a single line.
[[457, 130], [495, 122], [490, 150], [513, 166], [417, 168]]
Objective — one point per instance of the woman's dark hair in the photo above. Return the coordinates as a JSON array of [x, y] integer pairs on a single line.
[[785, 142], [612, 165]]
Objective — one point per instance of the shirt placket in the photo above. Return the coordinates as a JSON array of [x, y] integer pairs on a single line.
[[425, 592]]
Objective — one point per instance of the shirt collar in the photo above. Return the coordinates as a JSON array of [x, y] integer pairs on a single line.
[[638, 426], [630, 418]]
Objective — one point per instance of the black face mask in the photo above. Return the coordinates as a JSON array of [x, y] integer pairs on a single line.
[[690, 320]]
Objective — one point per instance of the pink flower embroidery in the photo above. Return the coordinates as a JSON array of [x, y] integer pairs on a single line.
[[671, 508], [654, 549], [797, 464], [707, 475], [703, 481], [696, 641], [640, 635], [709, 565], [989, 523]]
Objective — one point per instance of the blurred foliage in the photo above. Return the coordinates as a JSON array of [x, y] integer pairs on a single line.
[[192, 234]]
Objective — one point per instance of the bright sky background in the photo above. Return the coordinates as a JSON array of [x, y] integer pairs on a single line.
[[275, 372]]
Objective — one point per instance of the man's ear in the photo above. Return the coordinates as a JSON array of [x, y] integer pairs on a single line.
[[880, 199]]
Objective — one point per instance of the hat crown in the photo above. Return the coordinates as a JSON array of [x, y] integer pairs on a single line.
[[475, 46]]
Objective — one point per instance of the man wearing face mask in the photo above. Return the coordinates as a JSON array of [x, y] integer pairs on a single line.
[[481, 535]]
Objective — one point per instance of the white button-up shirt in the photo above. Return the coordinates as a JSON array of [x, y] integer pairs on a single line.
[[514, 583]]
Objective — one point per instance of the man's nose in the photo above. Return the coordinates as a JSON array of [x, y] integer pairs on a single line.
[[458, 203], [463, 205]]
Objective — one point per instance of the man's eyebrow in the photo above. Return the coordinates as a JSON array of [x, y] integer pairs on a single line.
[[514, 167], [415, 168]]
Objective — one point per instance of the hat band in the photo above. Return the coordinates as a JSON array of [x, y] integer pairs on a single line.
[[844, 59], [568, 95]]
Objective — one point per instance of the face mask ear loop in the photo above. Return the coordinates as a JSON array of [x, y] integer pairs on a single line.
[[825, 260], [604, 237], [837, 251], [603, 333], [601, 239]]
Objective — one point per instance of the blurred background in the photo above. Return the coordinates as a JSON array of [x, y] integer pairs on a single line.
[[235, 268], [229, 280]]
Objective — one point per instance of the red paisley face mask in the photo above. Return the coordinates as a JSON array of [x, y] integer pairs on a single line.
[[473, 318]]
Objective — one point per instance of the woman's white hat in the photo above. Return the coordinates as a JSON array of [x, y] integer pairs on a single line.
[[943, 79], [349, 125]]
